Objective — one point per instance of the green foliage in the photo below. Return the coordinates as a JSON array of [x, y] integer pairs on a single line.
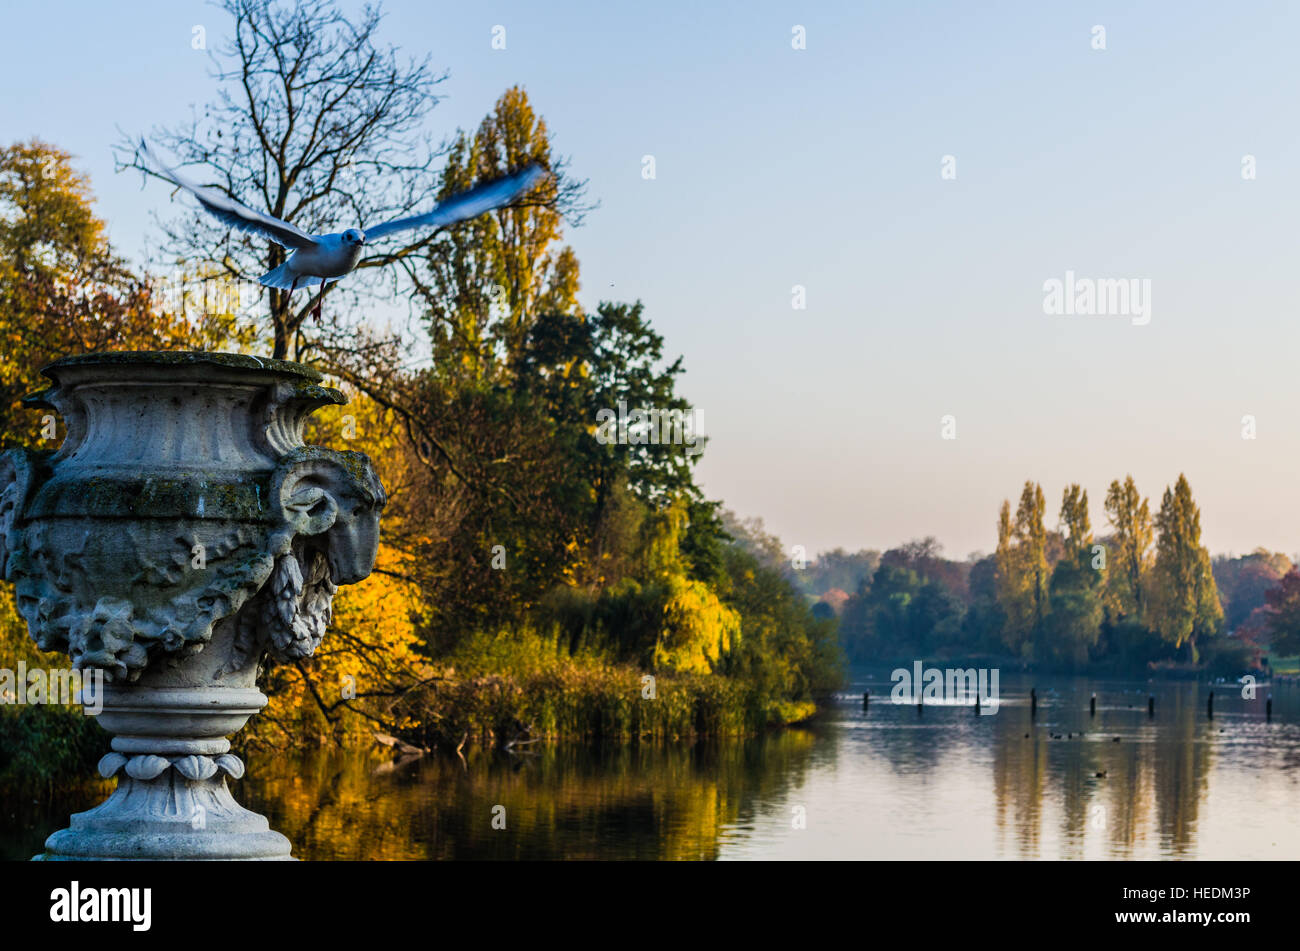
[[44, 744], [905, 609], [788, 656], [1130, 561], [507, 686], [1023, 571], [493, 278], [1128, 644], [532, 478], [1073, 623], [1184, 599], [1229, 656]]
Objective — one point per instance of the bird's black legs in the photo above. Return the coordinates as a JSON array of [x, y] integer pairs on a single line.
[[315, 310]]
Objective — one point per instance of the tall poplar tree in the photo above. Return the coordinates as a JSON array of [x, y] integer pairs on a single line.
[[1022, 569], [1075, 614], [1184, 598], [486, 282], [1129, 516], [1075, 524]]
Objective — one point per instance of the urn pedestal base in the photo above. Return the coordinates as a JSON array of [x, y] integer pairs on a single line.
[[172, 761], [165, 819]]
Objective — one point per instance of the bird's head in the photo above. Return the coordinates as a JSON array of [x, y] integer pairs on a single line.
[[354, 236]]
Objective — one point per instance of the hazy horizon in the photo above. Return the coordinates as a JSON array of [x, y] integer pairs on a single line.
[[821, 167]]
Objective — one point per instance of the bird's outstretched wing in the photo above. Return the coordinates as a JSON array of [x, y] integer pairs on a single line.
[[232, 212], [468, 204]]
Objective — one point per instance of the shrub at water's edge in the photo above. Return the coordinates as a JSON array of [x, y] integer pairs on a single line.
[[616, 666]]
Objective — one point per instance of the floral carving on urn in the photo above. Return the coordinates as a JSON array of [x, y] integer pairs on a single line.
[[181, 533]]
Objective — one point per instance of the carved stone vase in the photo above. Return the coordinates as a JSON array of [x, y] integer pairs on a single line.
[[180, 534]]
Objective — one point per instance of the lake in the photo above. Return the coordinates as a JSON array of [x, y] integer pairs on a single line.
[[885, 784]]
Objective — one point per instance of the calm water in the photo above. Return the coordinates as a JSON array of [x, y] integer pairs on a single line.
[[884, 784]]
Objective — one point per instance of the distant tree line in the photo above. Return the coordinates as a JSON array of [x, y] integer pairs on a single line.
[[1144, 594]]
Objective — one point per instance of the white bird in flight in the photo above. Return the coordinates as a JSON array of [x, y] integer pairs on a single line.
[[327, 257]]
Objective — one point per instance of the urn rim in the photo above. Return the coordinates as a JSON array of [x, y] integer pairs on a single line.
[[182, 358]]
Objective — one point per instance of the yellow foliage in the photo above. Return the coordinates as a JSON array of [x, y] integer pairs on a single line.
[[698, 628]]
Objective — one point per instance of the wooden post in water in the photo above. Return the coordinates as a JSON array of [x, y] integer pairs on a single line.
[[1033, 701], [1092, 706], [1209, 706], [977, 700], [866, 699], [1268, 708], [1151, 704]]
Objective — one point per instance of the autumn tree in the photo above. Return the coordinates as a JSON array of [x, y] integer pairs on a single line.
[[1022, 569], [1076, 527], [1008, 579], [1031, 538], [64, 290], [1074, 619], [1244, 582], [1129, 516], [521, 468], [698, 631], [1184, 599], [485, 284]]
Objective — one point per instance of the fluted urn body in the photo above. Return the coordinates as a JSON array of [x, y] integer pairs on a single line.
[[180, 534]]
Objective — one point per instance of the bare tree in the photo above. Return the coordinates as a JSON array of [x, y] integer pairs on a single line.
[[315, 123]]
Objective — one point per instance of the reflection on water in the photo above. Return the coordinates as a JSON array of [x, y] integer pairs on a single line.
[[635, 803], [888, 783]]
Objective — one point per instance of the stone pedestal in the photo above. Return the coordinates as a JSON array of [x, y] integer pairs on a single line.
[[182, 533], [172, 760]]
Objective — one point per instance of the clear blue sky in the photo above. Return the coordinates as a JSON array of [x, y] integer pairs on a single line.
[[821, 167]]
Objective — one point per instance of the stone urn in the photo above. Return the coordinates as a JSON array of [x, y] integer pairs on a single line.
[[180, 534]]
